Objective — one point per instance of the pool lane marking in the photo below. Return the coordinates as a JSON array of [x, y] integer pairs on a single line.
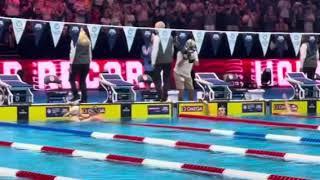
[[9, 172], [252, 121], [186, 145], [177, 166], [220, 132]]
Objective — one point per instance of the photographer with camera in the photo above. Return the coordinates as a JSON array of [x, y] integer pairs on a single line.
[[186, 58]]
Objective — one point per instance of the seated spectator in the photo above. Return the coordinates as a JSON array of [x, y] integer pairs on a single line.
[[12, 8], [282, 26]]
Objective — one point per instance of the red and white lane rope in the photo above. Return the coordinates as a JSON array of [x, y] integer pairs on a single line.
[[210, 147], [8, 172], [194, 168], [255, 122]]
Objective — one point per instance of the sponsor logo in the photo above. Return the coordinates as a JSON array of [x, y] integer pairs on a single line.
[[53, 112], [282, 107], [252, 108], [158, 110], [93, 110], [192, 108]]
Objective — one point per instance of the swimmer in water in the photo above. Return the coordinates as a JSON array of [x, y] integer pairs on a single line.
[[221, 111], [75, 114]]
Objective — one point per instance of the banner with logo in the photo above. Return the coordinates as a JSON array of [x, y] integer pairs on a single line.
[[198, 37], [280, 107], [130, 33], [246, 108], [38, 29], [18, 28], [56, 31], [296, 41], [165, 35], [232, 39], [264, 41], [94, 31]]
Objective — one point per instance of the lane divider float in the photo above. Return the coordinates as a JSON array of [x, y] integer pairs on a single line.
[[255, 122], [184, 167], [274, 137], [15, 173], [192, 145]]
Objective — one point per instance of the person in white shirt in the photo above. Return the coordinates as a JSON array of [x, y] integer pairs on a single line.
[[186, 58], [309, 56]]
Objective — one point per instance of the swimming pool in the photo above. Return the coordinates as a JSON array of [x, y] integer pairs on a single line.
[[84, 168]]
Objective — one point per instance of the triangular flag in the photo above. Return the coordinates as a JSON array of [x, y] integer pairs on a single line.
[[164, 35], [74, 32], [215, 42], [181, 40], [112, 37], [264, 41], [56, 30], [296, 41], [130, 33], [18, 28], [147, 36], [2, 26], [198, 37], [248, 43], [94, 31], [38, 28], [232, 38]]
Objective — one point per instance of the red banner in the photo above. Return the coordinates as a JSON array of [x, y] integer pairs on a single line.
[[248, 69]]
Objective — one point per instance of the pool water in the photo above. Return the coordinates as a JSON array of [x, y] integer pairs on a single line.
[[89, 169]]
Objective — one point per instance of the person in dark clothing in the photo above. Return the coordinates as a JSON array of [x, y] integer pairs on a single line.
[[80, 58], [266, 78], [161, 60], [309, 56]]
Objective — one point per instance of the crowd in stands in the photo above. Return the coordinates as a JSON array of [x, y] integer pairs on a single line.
[[242, 15]]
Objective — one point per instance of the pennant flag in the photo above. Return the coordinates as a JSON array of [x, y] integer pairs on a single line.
[[18, 28], [74, 32], [94, 31], [248, 43], [232, 38], [198, 37], [112, 37], [2, 26], [38, 29], [147, 37], [215, 42], [164, 35], [264, 39], [56, 30], [296, 41], [130, 33], [181, 40]]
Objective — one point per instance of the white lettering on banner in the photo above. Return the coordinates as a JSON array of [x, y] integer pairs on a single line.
[[11, 67], [284, 67], [133, 70], [93, 82], [64, 71], [112, 67], [44, 69]]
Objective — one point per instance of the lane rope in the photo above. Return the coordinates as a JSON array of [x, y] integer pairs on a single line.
[[15, 173], [252, 121], [190, 145], [154, 163]]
